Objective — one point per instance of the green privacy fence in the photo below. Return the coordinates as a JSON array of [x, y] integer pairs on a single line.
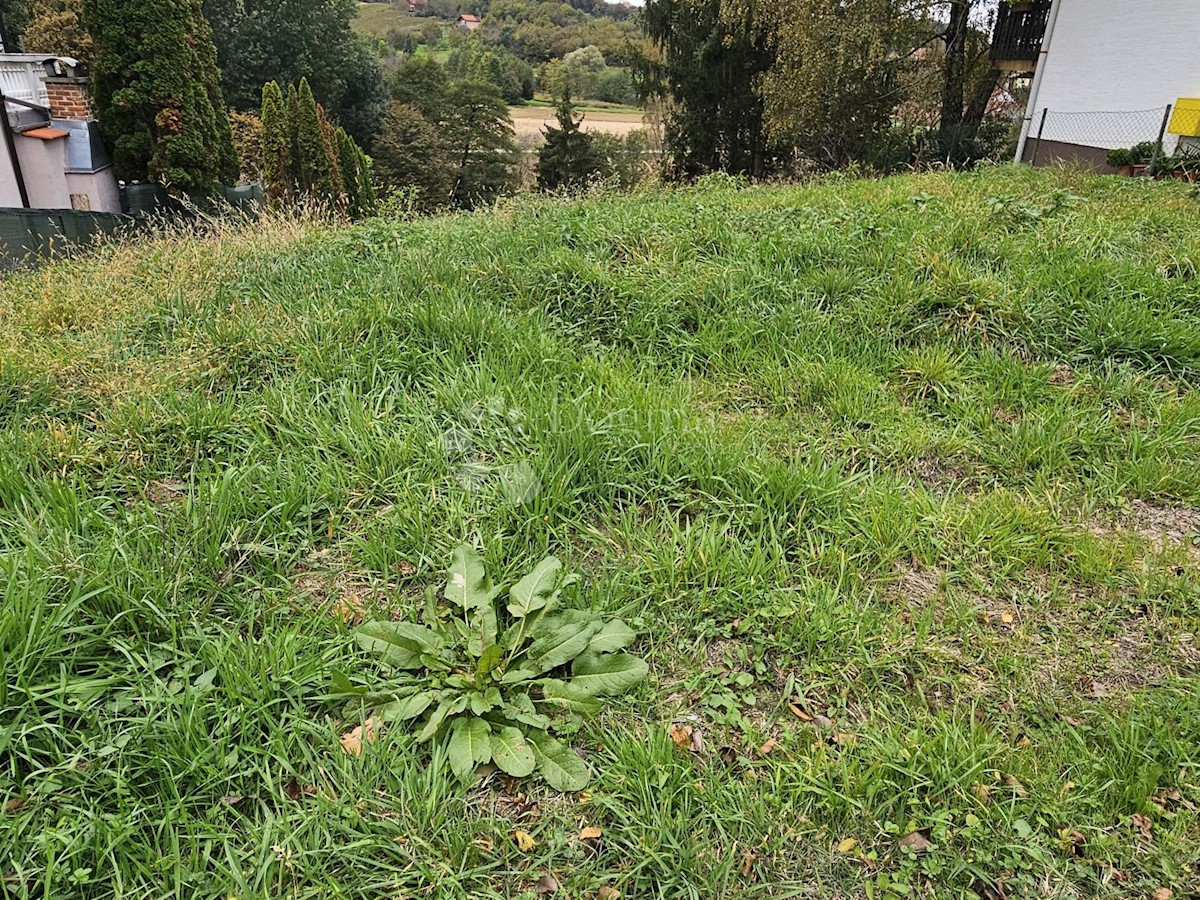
[[28, 236]]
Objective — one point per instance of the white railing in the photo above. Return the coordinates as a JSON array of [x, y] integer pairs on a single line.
[[22, 77]]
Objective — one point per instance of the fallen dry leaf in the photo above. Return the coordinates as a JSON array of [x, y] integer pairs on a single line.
[[13, 806], [349, 608], [1142, 824], [366, 733], [799, 713], [747, 868], [1017, 788], [292, 789], [916, 842], [697, 741], [547, 884], [485, 843], [846, 845], [590, 833], [681, 735], [822, 721], [524, 839], [767, 747], [1162, 894], [608, 893], [842, 739]]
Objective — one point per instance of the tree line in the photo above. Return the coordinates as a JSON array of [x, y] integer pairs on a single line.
[[754, 86], [751, 87]]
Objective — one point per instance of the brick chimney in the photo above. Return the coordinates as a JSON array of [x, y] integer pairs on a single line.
[[69, 97]]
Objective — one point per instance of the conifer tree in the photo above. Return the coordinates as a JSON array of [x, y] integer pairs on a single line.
[[158, 92], [305, 155], [278, 183], [568, 158], [356, 176], [293, 116], [316, 163]]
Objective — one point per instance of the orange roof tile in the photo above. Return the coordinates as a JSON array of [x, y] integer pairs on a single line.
[[45, 133]]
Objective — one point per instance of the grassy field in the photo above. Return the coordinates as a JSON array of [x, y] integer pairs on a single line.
[[378, 19], [899, 481]]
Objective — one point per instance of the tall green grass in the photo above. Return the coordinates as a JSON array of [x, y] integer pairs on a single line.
[[917, 457]]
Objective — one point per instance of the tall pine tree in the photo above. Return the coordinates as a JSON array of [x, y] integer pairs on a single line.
[[712, 56], [158, 92], [567, 160]]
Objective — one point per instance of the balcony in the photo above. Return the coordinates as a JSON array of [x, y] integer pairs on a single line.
[[1017, 40]]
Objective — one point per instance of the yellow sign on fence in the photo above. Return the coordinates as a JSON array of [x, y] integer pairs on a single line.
[[1185, 120]]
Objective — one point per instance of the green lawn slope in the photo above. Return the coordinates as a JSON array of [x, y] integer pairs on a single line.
[[898, 480]]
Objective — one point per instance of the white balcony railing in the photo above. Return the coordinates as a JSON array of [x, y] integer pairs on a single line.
[[22, 77]]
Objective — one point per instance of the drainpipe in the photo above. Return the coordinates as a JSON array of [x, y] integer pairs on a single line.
[[10, 145], [1038, 74]]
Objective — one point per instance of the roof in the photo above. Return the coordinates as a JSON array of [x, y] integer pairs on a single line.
[[45, 133], [467, 17]]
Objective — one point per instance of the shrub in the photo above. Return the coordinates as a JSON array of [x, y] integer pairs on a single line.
[[248, 144], [495, 680], [158, 94], [1120, 157]]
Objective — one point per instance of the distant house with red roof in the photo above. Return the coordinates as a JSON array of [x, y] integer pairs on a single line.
[[468, 21]]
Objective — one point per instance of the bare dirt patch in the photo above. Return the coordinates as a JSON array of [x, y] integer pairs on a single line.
[[915, 584], [327, 579], [1163, 527], [530, 120]]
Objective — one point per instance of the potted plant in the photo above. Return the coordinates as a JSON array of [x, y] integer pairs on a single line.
[[1141, 154], [1121, 159]]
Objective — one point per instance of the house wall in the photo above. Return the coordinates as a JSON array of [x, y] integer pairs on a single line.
[[1120, 56], [10, 195], [42, 163], [101, 190]]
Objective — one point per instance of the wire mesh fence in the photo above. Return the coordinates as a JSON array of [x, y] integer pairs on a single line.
[[1087, 137]]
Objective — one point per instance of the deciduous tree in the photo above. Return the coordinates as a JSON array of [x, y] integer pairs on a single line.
[[285, 40], [56, 27], [833, 85]]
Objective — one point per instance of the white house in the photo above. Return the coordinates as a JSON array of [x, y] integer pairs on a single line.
[[51, 155], [1106, 72]]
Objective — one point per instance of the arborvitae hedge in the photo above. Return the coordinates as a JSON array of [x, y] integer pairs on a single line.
[[276, 145], [306, 156], [158, 93], [356, 176]]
